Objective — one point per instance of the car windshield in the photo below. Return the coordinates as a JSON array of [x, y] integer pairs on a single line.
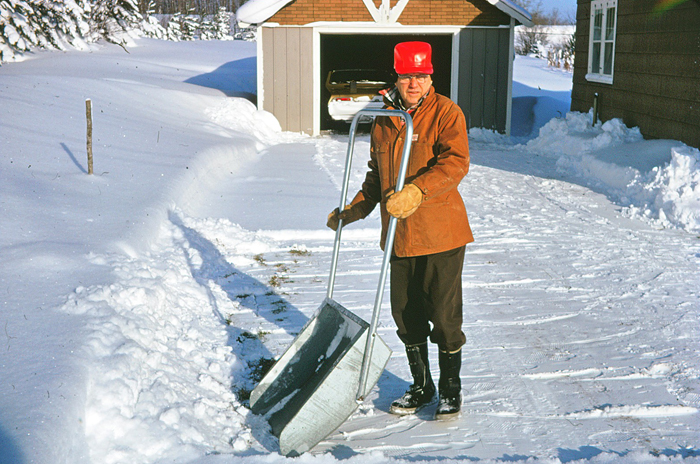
[[369, 76]]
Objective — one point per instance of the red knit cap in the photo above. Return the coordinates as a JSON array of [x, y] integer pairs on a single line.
[[413, 58]]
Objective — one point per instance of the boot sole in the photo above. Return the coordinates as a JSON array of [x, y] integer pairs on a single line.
[[399, 411], [447, 416], [402, 411]]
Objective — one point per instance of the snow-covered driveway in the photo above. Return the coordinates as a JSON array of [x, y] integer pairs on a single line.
[[581, 324]]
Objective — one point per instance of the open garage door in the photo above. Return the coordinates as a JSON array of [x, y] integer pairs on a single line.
[[376, 51]]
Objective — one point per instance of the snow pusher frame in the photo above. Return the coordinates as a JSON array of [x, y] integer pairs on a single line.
[[337, 358]]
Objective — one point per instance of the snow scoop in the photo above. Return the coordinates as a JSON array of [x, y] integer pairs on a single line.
[[337, 358]]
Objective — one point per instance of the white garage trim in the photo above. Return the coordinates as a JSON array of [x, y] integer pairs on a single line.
[[374, 28]]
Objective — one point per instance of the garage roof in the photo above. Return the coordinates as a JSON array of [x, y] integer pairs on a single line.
[[259, 11], [514, 11]]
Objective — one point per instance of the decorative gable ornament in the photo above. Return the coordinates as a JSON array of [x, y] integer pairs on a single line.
[[385, 14]]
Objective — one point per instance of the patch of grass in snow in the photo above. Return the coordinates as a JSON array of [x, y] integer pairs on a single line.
[[282, 267], [277, 280], [260, 367], [280, 306], [298, 252], [247, 335], [257, 370]]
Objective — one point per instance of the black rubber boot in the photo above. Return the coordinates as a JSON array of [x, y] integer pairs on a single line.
[[449, 386], [422, 392]]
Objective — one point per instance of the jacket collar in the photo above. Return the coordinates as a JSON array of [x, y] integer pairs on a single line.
[[392, 98]]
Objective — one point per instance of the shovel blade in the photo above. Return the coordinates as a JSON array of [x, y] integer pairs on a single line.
[[311, 390]]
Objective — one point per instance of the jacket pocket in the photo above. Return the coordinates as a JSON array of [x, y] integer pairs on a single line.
[[431, 225]]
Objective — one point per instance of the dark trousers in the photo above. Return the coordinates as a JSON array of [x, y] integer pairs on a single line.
[[427, 290]]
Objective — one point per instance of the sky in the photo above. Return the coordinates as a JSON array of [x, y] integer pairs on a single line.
[[566, 7]]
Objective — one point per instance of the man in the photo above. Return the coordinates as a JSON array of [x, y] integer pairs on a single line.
[[432, 230]]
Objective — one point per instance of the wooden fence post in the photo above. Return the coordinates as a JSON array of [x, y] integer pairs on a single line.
[[88, 114]]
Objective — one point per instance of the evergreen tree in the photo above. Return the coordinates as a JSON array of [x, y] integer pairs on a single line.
[[16, 31], [114, 19], [189, 25], [222, 24], [57, 24], [174, 32], [151, 26], [206, 28], [28, 24], [127, 13]]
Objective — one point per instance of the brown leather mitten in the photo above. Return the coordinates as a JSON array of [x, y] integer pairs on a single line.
[[350, 214], [404, 203]]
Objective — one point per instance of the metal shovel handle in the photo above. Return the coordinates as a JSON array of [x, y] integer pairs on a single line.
[[391, 231]]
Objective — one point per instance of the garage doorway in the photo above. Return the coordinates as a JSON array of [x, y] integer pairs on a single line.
[[376, 51]]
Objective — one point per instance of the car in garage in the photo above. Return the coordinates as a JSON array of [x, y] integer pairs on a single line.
[[355, 89]]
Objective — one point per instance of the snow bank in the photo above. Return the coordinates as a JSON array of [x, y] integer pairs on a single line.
[[656, 180], [160, 367], [574, 135], [243, 116], [670, 194]]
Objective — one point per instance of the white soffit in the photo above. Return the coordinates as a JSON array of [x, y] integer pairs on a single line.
[[514, 11]]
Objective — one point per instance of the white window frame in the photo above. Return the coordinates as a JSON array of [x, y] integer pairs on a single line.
[[601, 43]]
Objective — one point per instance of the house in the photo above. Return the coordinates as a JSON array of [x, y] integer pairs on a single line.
[[639, 60], [301, 41]]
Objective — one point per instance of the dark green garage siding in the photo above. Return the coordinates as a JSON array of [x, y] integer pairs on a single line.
[[484, 76]]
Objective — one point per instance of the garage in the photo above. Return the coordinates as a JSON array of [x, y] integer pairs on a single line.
[[349, 51], [303, 40]]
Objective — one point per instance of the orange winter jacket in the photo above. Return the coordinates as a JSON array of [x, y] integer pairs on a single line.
[[438, 162]]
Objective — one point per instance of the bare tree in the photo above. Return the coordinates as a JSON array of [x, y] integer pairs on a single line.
[[541, 17], [204, 7], [530, 40], [533, 40]]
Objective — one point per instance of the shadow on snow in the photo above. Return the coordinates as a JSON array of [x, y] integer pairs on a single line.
[[9, 451], [252, 294], [235, 79], [266, 303]]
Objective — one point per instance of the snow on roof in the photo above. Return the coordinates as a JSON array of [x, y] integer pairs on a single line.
[[259, 11], [517, 12]]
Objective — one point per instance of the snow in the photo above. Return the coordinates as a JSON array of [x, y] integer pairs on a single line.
[[259, 11], [138, 303]]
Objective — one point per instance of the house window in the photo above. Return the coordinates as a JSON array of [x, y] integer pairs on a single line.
[[601, 54]]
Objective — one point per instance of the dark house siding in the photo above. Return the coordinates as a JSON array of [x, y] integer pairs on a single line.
[[656, 79]]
